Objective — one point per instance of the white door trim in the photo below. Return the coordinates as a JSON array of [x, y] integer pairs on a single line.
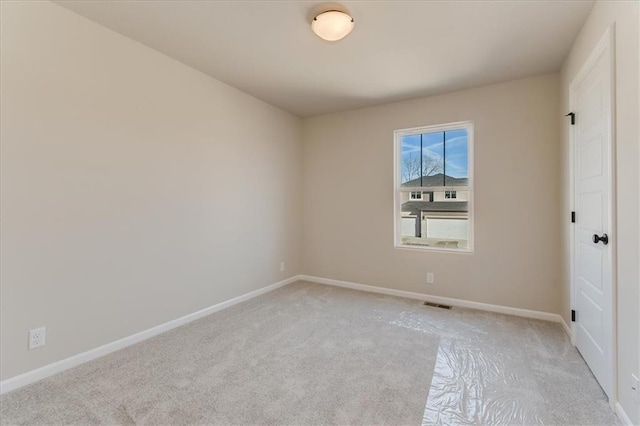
[[606, 45]]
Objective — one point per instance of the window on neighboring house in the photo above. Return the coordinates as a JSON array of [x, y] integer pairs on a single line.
[[436, 160]]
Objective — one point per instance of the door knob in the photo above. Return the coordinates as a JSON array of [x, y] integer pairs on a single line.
[[604, 239]]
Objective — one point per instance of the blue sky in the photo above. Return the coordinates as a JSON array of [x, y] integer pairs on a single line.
[[456, 154]]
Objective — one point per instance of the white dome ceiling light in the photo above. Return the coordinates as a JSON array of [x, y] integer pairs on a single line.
[[332, 25]]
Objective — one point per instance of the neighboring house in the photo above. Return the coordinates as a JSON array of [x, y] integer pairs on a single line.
[[437, 180], [438, 212]]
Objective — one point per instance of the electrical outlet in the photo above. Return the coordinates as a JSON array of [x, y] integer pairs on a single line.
[[430, 278], [635, 387], [281, 266], [37, 337]]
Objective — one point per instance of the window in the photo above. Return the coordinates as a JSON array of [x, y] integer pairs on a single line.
[[436, 161]]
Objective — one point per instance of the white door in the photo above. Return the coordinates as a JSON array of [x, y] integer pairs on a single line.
[[591, 95]]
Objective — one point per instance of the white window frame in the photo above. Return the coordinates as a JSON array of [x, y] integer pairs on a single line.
[[416, 193], [397, 181]]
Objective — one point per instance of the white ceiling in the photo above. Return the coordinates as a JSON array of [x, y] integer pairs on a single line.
[[397, 50]]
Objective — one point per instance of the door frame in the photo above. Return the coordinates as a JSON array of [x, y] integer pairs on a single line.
[[606, 46]]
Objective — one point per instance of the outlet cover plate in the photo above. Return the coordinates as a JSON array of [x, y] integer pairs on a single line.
[[37, 337]]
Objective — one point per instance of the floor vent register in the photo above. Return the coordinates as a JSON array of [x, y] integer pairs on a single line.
[[437, 305]]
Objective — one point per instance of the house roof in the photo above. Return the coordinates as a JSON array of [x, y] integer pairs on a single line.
[[437, 180], [416, 207]]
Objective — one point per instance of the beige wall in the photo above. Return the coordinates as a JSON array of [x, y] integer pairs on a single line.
[[348, 175], [624, 15], [135, 190]]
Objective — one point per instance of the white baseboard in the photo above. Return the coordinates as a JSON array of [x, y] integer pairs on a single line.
[[75, 360], [622, 415], [547, 316], [567, 328]]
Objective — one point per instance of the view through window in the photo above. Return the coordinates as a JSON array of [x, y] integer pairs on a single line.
[[434, 162]]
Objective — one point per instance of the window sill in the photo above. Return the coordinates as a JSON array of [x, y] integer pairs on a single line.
[[432, 249]]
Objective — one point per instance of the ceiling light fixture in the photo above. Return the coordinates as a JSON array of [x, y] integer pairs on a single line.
[[332, 25]]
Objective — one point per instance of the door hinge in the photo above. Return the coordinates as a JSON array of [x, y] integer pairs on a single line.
[[573, 117], [573, 217], [573, 316]]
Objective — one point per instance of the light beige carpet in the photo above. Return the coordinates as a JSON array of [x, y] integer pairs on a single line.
[[310, 354]]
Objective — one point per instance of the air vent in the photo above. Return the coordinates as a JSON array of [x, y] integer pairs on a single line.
[[437, 305]]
